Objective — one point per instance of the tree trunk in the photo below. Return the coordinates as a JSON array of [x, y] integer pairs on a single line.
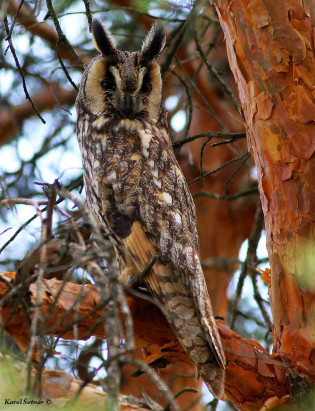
[[270, 47]]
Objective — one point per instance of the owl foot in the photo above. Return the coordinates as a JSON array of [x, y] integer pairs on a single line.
[[126, 277]]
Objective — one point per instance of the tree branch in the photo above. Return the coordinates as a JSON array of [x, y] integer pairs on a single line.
[[11, 120], [43, 30], [252, 375]]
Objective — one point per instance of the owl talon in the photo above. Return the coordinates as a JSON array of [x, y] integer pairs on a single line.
[[126, 277], [130, 280]]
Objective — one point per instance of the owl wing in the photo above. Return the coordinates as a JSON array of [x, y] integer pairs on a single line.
[[195, 332], [155, 216]]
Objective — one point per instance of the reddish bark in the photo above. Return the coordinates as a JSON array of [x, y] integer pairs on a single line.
[[252, 375], [271, 52]]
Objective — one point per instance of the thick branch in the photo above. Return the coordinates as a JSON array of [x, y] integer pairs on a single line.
[[252, 375]]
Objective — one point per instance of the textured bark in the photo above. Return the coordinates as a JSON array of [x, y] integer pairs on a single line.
[[251, 373], [271, 52]]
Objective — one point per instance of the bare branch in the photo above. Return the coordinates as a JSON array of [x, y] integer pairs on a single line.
[[9, 39], [210, 134]]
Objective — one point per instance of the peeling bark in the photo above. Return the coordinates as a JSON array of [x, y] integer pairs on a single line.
[[270, 47], [252, 376]]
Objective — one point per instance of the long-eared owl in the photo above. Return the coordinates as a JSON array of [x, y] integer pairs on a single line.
[[136, 190]]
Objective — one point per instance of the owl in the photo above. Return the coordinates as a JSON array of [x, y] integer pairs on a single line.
[[136, 191]]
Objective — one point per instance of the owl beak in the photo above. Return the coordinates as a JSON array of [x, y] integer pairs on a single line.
[[128, 105]]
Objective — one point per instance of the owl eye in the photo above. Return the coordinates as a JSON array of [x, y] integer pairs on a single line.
[[109, 82], [146, 85]]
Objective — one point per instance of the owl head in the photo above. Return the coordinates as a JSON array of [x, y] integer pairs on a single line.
[[120, 84]]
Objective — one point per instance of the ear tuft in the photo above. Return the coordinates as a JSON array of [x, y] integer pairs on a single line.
[[154, 43], [103, 40]]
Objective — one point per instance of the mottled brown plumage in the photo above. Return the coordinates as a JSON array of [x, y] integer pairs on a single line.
[[136, 190]]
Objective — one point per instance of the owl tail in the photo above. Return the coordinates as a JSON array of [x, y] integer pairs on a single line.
[[180, 310], [190, 318]]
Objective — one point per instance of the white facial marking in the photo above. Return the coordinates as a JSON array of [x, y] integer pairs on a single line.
[[115, 73], [130, 124]]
